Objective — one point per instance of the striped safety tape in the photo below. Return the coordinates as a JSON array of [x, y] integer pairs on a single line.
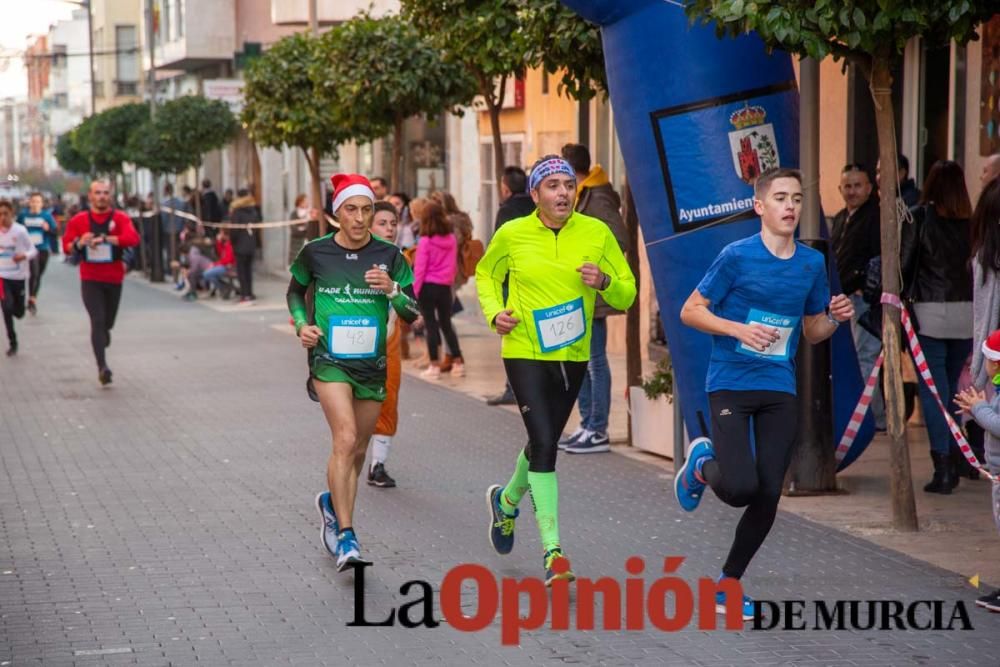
[[851, 432]]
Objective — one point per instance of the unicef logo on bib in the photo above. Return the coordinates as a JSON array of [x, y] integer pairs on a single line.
[[779, 349], [353, 337]]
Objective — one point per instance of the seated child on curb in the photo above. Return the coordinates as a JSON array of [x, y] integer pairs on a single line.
[[987, 414]]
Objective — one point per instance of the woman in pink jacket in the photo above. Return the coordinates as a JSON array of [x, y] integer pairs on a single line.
[[433, 276]]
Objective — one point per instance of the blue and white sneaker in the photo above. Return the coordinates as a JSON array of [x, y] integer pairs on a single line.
[[687, 487], [501, 523], [551, 556], [348, 551], [328, 522], [591, 443], [572, 438], [720, 605]]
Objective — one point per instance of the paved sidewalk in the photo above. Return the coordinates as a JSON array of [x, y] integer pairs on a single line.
[[168, 519]]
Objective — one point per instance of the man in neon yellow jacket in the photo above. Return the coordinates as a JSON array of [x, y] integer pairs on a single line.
[[557, 260]]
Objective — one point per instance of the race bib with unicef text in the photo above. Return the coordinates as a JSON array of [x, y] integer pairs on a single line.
[[7, 260], [560, 326], [353, 337], [778, 350], [100, 253]]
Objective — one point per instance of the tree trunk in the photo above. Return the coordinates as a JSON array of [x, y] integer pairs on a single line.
[[318, 229], [396, 174], [904, 509], [493, 104], [633, 353]]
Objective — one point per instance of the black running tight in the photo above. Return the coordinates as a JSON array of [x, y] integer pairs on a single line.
[[546, 392], [12, 305], [38, 264], [744, 475], [101, 301]]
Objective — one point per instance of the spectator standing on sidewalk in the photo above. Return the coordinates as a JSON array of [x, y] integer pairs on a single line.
[[517, 203], [595, 197], [211, 207], [907, 189], [243, 212], [433, 278], [298, 235], [935, 252], [991, 169], [856, 239], [171, 223]]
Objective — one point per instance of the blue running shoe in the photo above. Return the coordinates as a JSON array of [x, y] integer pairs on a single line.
[[687, 487], [348, 551], [551, 556], [501, 523], [720, 605], [328, 522]]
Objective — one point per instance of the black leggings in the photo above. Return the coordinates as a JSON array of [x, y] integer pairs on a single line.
[[244, 270], [101, 301], [742, 477], [38, 264], [546, 392], [12, 305], [435, 305]]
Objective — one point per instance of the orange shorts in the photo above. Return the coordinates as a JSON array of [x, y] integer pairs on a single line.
[[388, 419]]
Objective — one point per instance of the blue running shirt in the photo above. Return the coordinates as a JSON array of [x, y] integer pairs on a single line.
[[746, 283]]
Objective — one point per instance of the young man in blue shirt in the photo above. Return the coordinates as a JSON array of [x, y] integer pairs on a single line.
[[759, 293]]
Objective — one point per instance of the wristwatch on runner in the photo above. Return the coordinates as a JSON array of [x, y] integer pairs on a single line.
[[395, 291], [830, 318]]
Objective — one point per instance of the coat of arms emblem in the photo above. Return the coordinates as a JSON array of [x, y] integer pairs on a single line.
[[752, 143]]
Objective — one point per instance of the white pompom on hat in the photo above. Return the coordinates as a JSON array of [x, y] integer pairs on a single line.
[[346, 186]]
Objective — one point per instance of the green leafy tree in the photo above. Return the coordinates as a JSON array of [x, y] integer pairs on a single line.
[[560, 41], [387, 72], [872, 35], [103, 137], [287, 102], [486, 37], [194, 125], [69, 158]]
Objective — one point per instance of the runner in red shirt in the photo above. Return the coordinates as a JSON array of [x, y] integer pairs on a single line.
[[97, 237]]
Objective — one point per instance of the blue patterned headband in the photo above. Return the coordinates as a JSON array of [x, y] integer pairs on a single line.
[[546, 168]]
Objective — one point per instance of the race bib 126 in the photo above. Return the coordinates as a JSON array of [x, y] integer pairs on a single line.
[[560, 326], [778, 350], [353, 337]]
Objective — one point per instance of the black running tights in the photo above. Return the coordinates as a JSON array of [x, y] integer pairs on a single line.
[[12, 305], [744, 475], [101, 301], [546, 392]]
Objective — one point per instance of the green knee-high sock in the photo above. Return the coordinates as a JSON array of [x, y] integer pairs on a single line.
[[516, 487], [545, 496]]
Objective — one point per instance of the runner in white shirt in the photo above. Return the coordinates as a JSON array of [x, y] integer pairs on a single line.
[[16, 250]]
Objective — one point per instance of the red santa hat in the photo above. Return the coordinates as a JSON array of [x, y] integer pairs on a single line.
[[991, 346], [346, 186]]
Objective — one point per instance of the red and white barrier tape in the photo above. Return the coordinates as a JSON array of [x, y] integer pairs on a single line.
[[921, 363]]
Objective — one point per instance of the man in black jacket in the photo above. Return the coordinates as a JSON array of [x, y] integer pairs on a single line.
[[211, 207], [907, 190], [856, 239], [517, 203], [243, 211]]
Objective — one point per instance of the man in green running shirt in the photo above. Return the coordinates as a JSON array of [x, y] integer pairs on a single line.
[[356, 278]]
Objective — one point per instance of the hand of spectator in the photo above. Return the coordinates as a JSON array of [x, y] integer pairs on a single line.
[[757, 336], [841, 308], [505, 322], [968, 398], [309, 336]]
